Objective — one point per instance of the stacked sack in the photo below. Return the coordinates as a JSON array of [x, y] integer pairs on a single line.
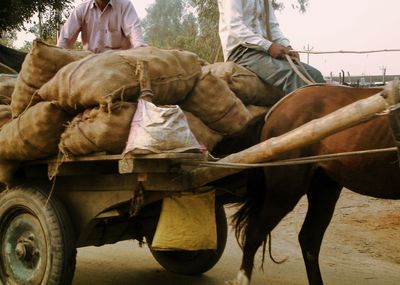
[[101, 92], [7, 83], [32, 133], [79, 103], [39, 66], [93, 95]]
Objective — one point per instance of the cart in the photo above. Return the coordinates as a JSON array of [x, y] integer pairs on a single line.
[[89, 201], [43, 222]]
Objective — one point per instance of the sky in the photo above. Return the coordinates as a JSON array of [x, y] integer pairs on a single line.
[[334, 25]]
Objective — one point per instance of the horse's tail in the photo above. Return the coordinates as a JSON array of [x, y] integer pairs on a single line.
[[251, 205], [250, 208]]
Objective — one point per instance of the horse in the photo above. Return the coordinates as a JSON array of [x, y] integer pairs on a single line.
[[275, 191]]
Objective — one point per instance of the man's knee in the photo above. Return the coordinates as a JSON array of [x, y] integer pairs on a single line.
[[316, 74]]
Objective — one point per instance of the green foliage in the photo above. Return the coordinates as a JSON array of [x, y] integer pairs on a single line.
[[177, 24], [300, 5], [167, 24], [27, 46], [7, 39], [14, 13]]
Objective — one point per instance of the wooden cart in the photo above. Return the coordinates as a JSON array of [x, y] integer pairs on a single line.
[[42, 222], [89, 204]]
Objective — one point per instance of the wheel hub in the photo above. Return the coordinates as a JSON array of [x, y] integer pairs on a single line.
[[26, 251], [23, 249]]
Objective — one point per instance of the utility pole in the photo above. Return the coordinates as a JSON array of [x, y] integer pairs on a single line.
[[308, 49], [383, 68]]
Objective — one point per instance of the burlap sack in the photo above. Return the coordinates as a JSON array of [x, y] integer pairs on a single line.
[[5, 115], [216, 105], [96, 130], [257, 111], [39, 66], [7, 84], [35, 134], [204, 135], [103, 78], [247, 86]]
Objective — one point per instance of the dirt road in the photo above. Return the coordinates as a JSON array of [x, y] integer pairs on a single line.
[[362, 246]]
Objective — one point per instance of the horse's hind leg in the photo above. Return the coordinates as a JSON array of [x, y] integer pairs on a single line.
[[280, 197], [322, 197]]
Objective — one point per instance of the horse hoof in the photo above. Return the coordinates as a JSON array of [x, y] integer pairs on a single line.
[[241, 279]]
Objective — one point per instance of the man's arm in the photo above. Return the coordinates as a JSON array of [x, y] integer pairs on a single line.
[[70, 30], [232, 13], [131, 26], [276, 33], [281, 45]]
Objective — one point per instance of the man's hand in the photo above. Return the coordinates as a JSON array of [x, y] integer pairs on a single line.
[[278, 51], [293, 54]]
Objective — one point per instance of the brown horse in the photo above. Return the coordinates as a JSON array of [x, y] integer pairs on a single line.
[[376, 175]]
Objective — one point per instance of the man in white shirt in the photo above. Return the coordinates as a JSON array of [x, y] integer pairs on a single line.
[[248, 40]]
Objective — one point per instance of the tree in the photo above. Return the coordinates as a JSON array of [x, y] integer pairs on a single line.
[[7, 39], [169, 24], [14, 13]]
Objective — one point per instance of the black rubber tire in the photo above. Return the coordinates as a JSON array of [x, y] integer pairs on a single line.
[[195, 262], [42, 227]]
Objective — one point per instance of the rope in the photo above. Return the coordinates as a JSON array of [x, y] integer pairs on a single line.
[[348, 51], [304, 70], [297, 71], [294, 161]]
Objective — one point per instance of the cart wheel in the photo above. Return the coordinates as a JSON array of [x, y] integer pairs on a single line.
[[187, 262], [37, 241]]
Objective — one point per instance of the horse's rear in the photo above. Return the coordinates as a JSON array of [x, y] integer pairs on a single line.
[[374, 175]]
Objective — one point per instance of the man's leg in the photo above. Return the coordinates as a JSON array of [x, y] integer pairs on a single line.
[[272, 71]]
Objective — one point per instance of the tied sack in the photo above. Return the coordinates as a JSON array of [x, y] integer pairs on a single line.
[[216, 105], [257, 111], [40, 65], [35, 134], [103, 78], [159, 130], [7, 84], [5, 115], [97, 130], [204, 135], [246, 85]]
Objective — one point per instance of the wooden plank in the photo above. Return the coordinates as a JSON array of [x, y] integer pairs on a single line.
[[107, 157], [123, 182]]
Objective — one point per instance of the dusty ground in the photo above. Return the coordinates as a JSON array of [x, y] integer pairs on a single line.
[[362, 246]]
